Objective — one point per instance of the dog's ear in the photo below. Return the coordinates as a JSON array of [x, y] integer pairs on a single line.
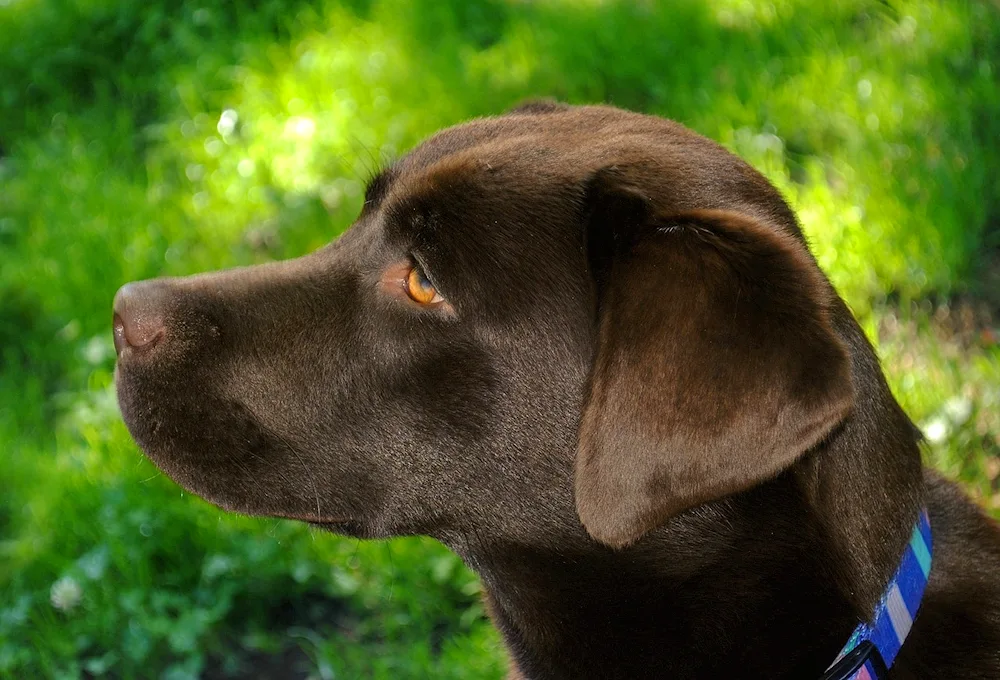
[[716, 364]]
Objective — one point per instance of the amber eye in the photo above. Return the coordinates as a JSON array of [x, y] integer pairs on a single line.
[[420, 288]]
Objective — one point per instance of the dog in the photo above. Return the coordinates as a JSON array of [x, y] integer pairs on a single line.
[[589, 351]]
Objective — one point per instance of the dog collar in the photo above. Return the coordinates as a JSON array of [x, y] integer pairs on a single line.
[[873, 646]]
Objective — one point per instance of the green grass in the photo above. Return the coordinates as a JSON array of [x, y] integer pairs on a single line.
[[169, 137]]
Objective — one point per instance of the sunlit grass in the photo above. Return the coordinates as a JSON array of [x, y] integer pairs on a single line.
[[142, 139]]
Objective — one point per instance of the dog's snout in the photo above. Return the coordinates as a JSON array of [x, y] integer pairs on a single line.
[[139, 317]]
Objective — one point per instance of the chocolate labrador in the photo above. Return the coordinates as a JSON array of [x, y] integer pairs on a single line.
[[589, 351]]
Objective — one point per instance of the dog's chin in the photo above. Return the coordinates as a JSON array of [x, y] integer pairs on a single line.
[[227, 493], [218, 489]]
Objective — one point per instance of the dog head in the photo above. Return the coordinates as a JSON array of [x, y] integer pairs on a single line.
[[558, 308]]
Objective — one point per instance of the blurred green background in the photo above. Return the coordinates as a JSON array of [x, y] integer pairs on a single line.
[[173, 136]]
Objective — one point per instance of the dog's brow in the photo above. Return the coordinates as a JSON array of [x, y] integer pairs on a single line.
[[378, 187]]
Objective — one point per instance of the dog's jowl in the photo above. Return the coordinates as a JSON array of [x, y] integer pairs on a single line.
[[590, 352]]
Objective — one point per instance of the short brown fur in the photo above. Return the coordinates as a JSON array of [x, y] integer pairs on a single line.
[[646, 420]]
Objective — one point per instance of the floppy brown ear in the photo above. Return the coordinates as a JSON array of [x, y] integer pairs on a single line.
[[716, 368]]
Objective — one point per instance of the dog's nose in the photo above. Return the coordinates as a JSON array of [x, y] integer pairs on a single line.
[[139, 315]]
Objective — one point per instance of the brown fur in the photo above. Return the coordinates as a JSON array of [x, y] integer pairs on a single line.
[[643, 415]]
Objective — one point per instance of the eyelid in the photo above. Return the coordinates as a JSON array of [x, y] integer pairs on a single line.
[[418, 261]]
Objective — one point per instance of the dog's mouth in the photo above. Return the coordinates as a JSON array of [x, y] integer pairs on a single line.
[[350, 528], [215, 447]]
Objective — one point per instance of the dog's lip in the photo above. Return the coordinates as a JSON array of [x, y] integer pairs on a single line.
[[331, 524], [334, 524], [310, 518], [350, 528]]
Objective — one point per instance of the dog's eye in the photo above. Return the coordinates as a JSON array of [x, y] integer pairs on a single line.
[[420, 289]]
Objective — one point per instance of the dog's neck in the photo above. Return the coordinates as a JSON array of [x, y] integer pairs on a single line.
[[771, 581], [764, 581], [687, 601]]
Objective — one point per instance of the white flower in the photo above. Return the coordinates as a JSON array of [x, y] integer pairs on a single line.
[[65, 594]]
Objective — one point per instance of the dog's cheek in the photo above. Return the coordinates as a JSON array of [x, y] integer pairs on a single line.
[[453, 393], [406, 445]]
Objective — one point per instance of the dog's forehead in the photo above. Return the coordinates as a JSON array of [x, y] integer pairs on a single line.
[[524, 158], [588, 134], [539, 163]]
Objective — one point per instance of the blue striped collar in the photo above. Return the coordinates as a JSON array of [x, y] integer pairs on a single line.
[[874, 645]]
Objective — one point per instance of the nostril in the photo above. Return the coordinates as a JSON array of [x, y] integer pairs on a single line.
[[138, 316], [121, 342]]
